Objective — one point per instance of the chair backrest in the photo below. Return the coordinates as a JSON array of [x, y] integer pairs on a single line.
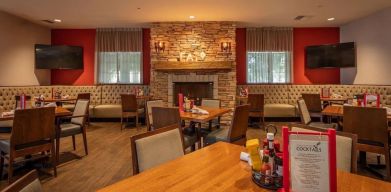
[[27, 183], [17, 99], [81, 108], [370, 124], [32, 126], [129, 103], [165, 116], [214, 103], [85, 96], [256, 102], [304, 113], [239, 124], [346, 150], [313, 102], [156, 147], [149, 105]]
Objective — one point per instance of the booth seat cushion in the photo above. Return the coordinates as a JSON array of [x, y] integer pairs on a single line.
[[109, 111], [280, 110], [71, 107]]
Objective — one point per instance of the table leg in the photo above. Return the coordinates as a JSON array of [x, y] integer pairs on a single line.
[[199, 135]]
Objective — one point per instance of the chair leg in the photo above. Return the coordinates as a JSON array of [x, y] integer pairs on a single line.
[[388, 166], [74, 142], [10, 169], [58, 150], [54, 160], [137, 121], [122, 121], [85, 141], [1, 165]]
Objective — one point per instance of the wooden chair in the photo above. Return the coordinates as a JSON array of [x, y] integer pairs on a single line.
[[314, 104], [370, 125], [346, 150], [27, 183], [257, 105], [32, 133], [17, 101], [213, 103], [129, 108], [165, 116], [306, 118], [156, 147], [236, 133], [77, 125], [148, 107]]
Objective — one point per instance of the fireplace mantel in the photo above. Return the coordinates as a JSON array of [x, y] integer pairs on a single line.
[[192, 66]]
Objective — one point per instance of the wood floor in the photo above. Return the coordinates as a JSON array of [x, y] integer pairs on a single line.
[[109, 159]]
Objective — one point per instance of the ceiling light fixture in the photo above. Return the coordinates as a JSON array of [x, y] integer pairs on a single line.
[[191, 17], [331, 19], [57, 20]]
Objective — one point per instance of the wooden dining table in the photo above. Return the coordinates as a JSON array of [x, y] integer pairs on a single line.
[[59, 112], [218, 168], [337, 111], [203, 118]]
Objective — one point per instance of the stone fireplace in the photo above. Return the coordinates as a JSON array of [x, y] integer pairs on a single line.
[[193, 54]]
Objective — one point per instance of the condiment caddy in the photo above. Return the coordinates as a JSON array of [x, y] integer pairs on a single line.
[[266, 160]]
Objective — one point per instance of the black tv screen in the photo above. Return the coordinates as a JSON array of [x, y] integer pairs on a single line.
[[58, 57], [329, 56]]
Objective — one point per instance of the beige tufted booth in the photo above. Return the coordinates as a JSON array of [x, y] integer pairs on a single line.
[[280, 100], [111, 99], [105, 99]]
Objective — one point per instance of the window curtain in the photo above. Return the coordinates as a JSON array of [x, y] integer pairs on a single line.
[[118, 55], [269, 55]]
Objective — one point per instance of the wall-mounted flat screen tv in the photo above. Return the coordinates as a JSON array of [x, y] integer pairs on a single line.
[[58, 57], [329, 56]]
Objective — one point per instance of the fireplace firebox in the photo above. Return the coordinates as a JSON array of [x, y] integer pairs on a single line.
[[193, 90]]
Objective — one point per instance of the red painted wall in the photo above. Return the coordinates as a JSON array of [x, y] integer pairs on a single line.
[[303, 37], [241, 71], [77, 37]]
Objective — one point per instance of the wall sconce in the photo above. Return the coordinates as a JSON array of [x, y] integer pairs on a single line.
[[226, 47], [160, 46]]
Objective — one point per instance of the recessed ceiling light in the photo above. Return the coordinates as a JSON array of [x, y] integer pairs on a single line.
[[191, 17], [331, 19], [57, 20]]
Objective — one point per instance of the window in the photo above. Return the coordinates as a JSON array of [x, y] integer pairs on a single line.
[[120, 67], [268, 67]]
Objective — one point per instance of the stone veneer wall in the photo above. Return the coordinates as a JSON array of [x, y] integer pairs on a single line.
[[195, 37]]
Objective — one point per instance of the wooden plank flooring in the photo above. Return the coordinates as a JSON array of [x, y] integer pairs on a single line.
[[109, 159]]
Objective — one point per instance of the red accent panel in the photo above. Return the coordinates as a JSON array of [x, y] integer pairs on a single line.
[[146, 56], [77, 37], [241, 56], [303, 37]]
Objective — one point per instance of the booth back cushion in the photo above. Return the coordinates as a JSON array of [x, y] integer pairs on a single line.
[[111, 94], [73, 91], [7, 94]]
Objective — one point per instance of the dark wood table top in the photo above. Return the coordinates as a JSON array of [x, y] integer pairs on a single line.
[[334, 99], [218, 168], [60, 112], [337, 111], [201, 118], [59, 99]]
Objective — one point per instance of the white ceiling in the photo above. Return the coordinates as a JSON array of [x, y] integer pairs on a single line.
[[125, 13]]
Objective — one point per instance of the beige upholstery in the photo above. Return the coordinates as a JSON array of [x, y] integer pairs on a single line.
[[80, 109], [150, 104], [344, 150], [5, 123], [280, 110], [109, 111], [305, 114], [73, 91], [34, 186], [111, 94], [157, 149]]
